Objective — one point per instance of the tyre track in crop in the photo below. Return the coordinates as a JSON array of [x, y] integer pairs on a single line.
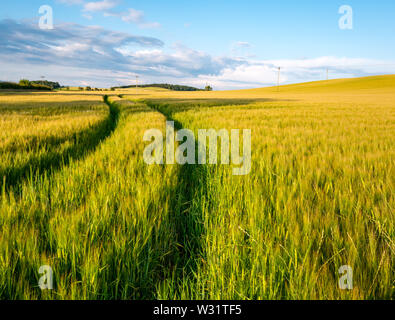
[[85, 142], [187, 219], [48, 244]]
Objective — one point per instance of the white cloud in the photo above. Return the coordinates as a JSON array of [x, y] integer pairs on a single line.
[[258, 73], [105, 6], [99, 5], [242, 49], [247, 73], [70, 49], [87, 16], [134, 16], [242, 44], [73, 53], [138, 17], [71, 2], [67, 75]]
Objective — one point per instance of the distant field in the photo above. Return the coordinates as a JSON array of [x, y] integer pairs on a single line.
[[77, 195]]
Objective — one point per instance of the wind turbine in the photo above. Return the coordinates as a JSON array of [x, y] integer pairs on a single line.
[[278, 79]]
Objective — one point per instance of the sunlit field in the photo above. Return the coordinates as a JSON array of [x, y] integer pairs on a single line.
[[77, 195]]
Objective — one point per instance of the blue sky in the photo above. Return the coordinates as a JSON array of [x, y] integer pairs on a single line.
[[229, 44]]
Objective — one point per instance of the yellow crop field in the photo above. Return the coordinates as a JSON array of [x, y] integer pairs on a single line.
[[77, 194]]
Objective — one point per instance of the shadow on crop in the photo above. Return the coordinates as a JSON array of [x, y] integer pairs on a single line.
[[183, 105]]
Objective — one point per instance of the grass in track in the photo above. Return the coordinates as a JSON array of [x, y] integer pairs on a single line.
[[186, 217]]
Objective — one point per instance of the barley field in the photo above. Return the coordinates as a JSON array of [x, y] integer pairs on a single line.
[[77, 195]]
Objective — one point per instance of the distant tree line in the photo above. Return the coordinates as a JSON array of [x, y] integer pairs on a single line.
[[51, 84], [24, 85], [174, 87]]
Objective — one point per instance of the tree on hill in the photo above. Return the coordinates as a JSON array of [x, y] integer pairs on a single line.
[[24, 82], [51, 84]]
